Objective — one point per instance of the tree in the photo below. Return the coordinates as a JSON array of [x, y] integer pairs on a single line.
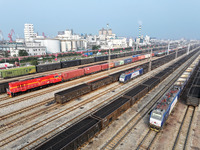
[[23, 53], [34, 62], [6, 54], [95, 47]]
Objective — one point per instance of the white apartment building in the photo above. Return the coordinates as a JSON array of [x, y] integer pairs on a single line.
[[29, 32], [35, 48]]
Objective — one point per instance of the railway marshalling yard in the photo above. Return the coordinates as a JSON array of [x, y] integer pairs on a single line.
[[29, 119]]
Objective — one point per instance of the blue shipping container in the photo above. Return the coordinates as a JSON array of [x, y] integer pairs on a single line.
[[128, 60], [89, 53]]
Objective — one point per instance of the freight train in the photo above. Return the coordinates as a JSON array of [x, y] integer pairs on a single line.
[[82, 131], [193, 95], [53, 66], [13, 72], [74, 92], [25, 85], [166, 104], [8, 73]]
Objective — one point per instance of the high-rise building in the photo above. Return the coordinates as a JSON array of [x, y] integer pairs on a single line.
[[29, 32]]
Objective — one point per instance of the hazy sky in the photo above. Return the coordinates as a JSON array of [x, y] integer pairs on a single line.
[[160, 18]]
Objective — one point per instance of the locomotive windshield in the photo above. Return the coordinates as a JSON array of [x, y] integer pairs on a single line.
[[156, 116], [122, 76]]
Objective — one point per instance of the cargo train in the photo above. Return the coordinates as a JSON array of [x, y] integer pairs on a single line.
[[82, 131], [193, 95], [25, 85], [74, 92], [166, 104], [14, 72], [48, 67]]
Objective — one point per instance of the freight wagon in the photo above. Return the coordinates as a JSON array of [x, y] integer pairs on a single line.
[[92, 69], [193, 95], [48, 67], [13, 72], [72, 74], [112, 111], [100, 82], [4, 86], [71, 63], [74, 136], [87, 61], [69, 94]]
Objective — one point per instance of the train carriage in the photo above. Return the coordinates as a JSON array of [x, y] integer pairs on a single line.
[[13, 72], [68, 75], [48, 67]]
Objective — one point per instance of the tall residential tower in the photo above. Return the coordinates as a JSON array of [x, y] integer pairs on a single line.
[[29, 32]]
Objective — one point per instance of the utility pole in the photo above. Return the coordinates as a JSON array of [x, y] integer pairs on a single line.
[[109, 61], [188, 51], [109, 50], [168, 48], [136, 47], [150, 60], [176, 52]]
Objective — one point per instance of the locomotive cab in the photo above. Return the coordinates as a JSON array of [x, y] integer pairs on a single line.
[[156, 118], [122, 77]]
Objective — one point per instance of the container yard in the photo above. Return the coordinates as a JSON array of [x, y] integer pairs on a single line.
[[93, 104]]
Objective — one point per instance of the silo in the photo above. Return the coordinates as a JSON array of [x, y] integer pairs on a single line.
[[52, 45]]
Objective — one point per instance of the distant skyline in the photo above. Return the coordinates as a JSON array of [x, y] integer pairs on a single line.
[[170, 19]]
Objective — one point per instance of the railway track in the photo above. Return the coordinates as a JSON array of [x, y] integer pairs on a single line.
[[184, 130], [52, 118], [25, 109], [4, 98], [14, 137], [24, 119], [147, 140], [127, 128], [93, 108]]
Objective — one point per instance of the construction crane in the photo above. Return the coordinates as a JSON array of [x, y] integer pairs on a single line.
[[10, 35], [43, 35], [1, 35]]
